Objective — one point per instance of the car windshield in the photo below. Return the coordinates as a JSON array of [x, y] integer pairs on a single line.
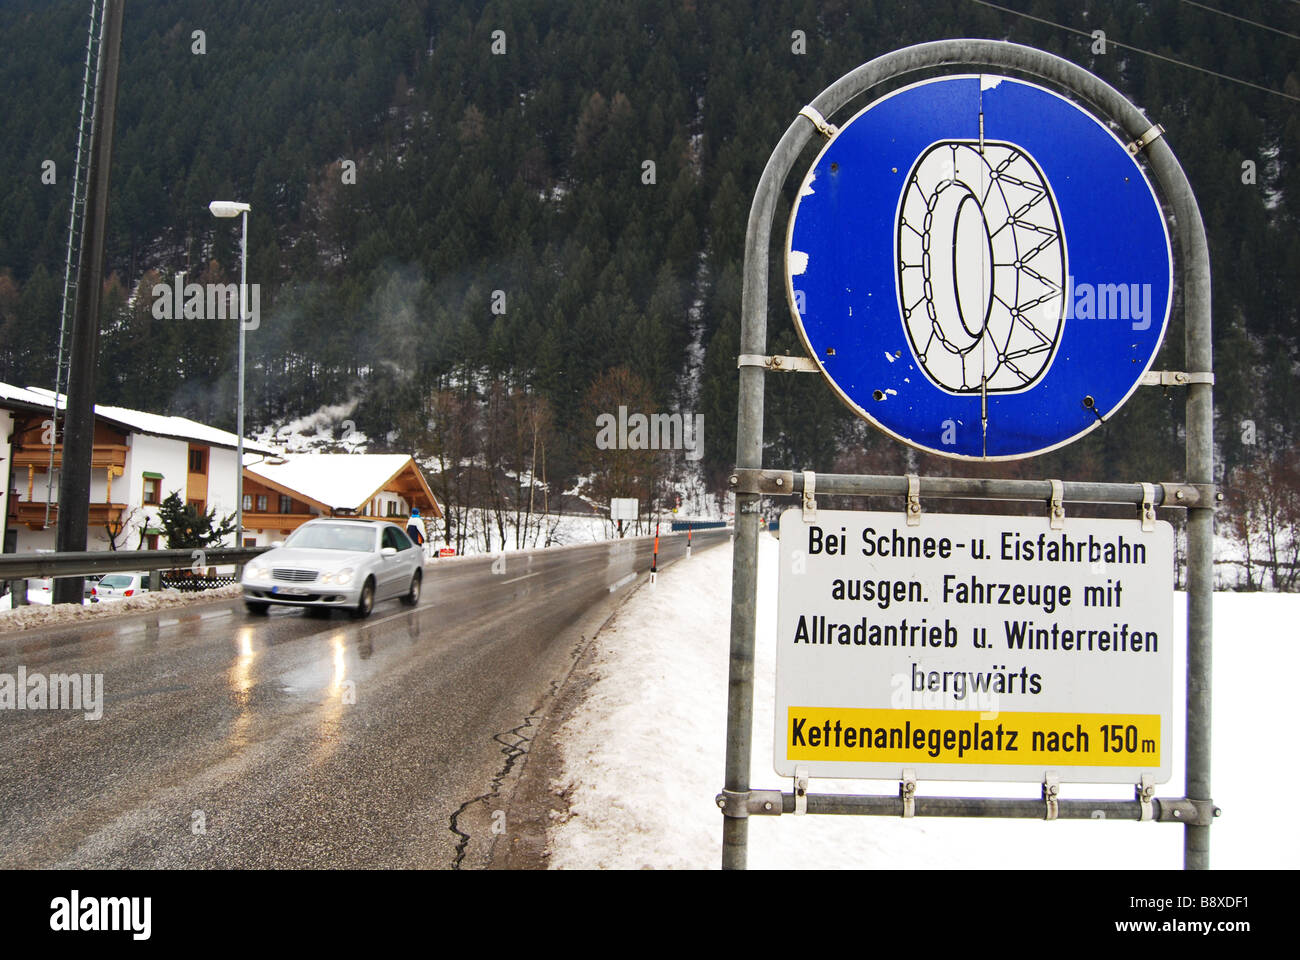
[[115, 580], [333, 536]]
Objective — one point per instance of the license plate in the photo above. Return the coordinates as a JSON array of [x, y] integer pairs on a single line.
[[290, 591]]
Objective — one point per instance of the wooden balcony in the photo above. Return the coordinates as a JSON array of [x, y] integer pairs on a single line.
[[286, 523], [38, 456], [33, 513], [275, 522]]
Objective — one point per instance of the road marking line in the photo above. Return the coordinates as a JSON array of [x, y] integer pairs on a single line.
[[524, 577], [628, 579]]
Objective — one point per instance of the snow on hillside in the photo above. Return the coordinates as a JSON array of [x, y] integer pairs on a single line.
[[644, 755]]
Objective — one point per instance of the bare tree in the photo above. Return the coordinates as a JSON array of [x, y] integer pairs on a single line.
[[115, 531], [621, 469], [1268, 514]]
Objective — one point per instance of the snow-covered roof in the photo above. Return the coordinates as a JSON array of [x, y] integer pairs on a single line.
[[180, 428], [22, 395], [338, 480]]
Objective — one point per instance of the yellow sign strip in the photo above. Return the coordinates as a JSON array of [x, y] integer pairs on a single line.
[[857, 735]]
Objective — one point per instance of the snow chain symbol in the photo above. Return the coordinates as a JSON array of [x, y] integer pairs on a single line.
[[981, 267]]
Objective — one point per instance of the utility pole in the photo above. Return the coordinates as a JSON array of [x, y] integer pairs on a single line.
[[79, 421]]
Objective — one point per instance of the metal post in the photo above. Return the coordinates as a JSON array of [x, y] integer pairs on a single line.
[[79, 418], [239, 416], [1200, 527], [1188, 227], [749, 453], [85, 118]]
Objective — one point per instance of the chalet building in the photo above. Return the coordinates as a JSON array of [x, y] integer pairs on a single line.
[[282, 493], [137, 461]]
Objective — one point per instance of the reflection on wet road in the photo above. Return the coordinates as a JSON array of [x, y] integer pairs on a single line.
[[293, 740]]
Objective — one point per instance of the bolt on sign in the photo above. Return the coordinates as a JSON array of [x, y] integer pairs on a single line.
[[974, 648]]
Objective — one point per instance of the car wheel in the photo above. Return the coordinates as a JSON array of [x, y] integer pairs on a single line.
[[413, 595], [367, 601], [256, 608]]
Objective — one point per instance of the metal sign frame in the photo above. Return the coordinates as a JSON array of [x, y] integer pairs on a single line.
[[751, 482]]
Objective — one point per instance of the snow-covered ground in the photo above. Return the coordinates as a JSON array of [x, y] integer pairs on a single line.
[[644, 754]]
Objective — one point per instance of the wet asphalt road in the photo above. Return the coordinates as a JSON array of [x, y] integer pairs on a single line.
[[228, 741]]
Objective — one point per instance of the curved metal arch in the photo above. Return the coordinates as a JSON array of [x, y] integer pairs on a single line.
[[1193, 279]]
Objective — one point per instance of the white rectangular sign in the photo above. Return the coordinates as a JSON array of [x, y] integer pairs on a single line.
[[622, 508], [974, 648]]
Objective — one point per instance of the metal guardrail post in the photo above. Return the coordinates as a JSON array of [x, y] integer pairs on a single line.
[[1189, 229], [17, 593]]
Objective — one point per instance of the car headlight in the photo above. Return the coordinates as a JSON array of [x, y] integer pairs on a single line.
[[255, 571], [342, 577]]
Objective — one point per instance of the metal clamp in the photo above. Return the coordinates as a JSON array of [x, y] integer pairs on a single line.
[[762, 482], [809, 496], [827, 130], [733, 803], [800, 791], [913, 500], [1193, 813], [752, 803], [1144, 141], [1148, 506], [1052, 794], [1191, 495], [907, 791], [1143, 793], [1056, 506], [1174, 378], [778, 363]]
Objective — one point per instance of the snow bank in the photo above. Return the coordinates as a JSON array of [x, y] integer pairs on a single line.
[[21, 618]]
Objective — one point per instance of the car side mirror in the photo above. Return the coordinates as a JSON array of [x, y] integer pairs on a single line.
[[389, 551], [277, 543]]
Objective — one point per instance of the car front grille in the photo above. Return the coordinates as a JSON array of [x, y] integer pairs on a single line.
[[293, 576]]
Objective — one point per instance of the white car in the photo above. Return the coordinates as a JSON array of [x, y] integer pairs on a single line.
[[119, 586], [334, 562], [40, 590]]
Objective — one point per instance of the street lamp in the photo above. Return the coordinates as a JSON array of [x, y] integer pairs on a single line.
[[231, 208]]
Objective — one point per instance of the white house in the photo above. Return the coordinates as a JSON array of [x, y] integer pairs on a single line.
[[284, 492], [138, 459]]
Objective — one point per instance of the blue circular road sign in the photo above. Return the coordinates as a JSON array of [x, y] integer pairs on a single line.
[[980, 267]]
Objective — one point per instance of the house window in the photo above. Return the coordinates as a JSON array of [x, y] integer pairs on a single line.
[[261, 503], [248, 502], [392, 508], [286, 504], [151, 541], [200, 505], [250, 541], [198, 460], [152, 488]]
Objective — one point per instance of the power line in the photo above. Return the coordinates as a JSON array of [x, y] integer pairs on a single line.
[[1253, 23], [1149, 53]]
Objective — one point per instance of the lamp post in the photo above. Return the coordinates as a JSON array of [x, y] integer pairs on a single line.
[[231, 208]]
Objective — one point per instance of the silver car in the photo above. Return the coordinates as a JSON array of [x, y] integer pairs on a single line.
[[336, 563]]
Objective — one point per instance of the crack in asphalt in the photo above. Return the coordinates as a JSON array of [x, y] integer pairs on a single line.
[[513, 745]]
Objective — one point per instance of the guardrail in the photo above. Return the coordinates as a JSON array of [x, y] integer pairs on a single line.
[[18, 568], [21, 566]]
